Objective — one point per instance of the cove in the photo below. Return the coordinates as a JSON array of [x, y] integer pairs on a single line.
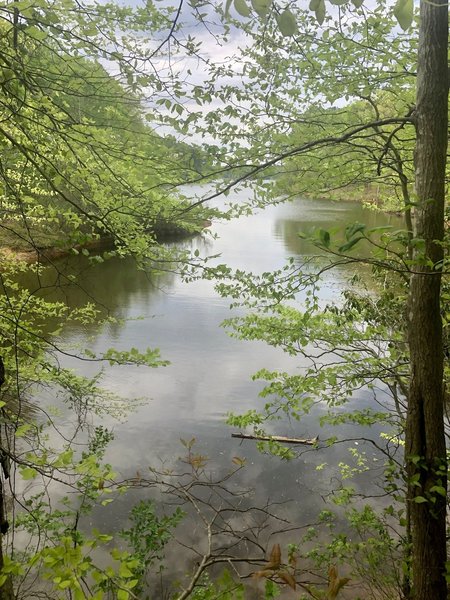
[[209, 373]]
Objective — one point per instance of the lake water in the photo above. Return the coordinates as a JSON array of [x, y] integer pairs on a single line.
[[210, 373]]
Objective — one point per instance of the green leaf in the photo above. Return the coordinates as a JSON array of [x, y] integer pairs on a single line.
[[122, 595], [124, 571], [439, 489], [350, 230], [64, 459], [404, 13], [350, 244], [320, 12], [420, 500], [227, 8], [380, 229], [90, 31], [287, 23], [324, 237], [415, 480], [339, 2], [261, 7], [28, 472], [242, 8], [357, 3], [36, 33]]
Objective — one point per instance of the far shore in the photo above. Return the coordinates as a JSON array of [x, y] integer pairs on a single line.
[[169, 233]]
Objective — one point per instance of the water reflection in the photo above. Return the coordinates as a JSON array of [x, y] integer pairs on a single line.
[[302, 217], [210, 373]]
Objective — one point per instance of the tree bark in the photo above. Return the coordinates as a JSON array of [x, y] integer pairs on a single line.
[[425, 442], [6, 590]]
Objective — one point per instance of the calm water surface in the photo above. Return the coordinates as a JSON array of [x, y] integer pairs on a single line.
[[210, 373]]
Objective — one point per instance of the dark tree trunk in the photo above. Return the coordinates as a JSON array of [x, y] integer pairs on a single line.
[[425, 441], [6, 590]]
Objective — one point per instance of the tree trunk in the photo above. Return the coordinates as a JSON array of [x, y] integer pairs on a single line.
[[6, 590], [425, 442]]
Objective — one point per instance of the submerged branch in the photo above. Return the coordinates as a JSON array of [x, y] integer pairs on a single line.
[[276, 438]]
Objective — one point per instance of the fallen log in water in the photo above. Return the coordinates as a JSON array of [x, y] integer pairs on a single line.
[[276, 438]]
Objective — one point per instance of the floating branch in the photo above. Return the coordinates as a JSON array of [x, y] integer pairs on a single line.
[[276, 438]]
